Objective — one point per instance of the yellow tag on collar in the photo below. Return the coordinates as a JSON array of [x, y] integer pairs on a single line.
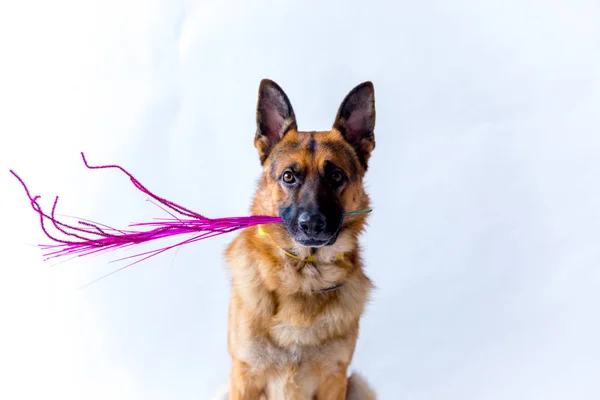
[[262, 232]]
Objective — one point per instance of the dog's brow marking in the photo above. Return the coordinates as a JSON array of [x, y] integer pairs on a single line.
[[311, 145], [288, 147], [339, 148], [281, 149]]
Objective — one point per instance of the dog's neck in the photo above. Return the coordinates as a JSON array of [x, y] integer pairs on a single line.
[[313, 258]]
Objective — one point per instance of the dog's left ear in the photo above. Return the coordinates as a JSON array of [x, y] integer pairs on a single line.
[[274, 117], [356, 120]]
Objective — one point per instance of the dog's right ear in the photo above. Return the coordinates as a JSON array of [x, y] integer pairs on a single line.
[[274, 117]]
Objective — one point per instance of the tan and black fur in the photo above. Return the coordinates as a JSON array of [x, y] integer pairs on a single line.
[[293, 325]]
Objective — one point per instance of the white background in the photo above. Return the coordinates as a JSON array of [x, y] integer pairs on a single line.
[[484, 243]]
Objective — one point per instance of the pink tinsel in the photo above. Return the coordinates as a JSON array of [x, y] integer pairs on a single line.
[[87, 237], [90, 237]]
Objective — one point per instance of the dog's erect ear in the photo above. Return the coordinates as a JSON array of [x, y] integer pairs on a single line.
[[274, 117], [356, 120]]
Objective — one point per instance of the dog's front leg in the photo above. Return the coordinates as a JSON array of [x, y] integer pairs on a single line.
[[333, 387], [244, 385]]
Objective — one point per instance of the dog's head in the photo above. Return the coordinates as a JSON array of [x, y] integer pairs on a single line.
[[311, 178]]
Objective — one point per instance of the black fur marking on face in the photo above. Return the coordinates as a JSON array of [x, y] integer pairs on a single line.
[[314, 197], [312, 144], [330, 169], [349, 154]]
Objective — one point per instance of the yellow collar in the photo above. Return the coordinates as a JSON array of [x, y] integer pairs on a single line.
[[310, 259]]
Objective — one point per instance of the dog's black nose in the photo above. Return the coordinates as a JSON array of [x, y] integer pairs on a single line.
[[311, 223]]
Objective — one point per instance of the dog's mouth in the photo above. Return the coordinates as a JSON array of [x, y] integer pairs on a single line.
[[316, 242]]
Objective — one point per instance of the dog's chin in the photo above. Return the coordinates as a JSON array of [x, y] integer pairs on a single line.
[[315, 243]]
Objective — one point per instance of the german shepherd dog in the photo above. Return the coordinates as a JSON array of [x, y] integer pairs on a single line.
[[298, 287]]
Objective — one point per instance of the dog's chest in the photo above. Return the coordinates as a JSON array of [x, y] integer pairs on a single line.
[[302, 333], [310, 321]]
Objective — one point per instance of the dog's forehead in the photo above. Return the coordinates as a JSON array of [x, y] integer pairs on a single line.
[[311, 150]]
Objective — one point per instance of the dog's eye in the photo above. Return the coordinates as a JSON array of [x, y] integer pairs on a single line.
[[288, 177], [337, 176]]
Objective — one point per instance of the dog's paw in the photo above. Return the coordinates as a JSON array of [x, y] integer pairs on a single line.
[[359, 388]]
